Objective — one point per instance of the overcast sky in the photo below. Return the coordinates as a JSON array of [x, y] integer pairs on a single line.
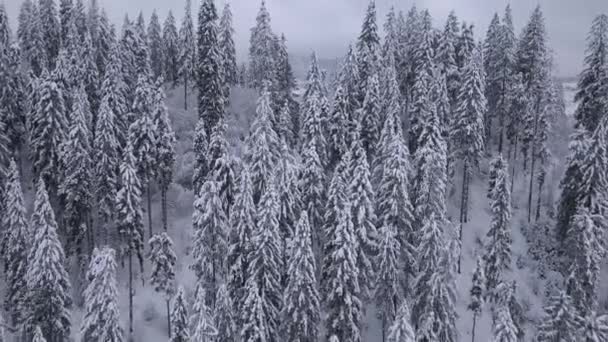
[[328, 26]]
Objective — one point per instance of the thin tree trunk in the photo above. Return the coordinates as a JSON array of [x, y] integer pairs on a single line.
[[150, 207], [163, 195], [541, 183], [131, 337], [533, 156], [463, 206], [185, 92], [513, 164], [473, 330], [383, 329], [169, 317]]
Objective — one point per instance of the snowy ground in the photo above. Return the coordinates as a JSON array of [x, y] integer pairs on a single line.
[[150, 316]]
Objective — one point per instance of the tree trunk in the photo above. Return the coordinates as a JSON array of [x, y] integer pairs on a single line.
[[131, 337], [541, 183], [185, 92], [473, 330], [169, 317], [513, 164], [383, 329], [463, 205], [149, 194], [533, 162], [163, 195]]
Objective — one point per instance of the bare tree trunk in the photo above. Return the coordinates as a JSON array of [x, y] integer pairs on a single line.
[[533, 156], [541, 183], [463, 206], [169, 317], [514, 164], [149, 195], [163, 195], [131, 337], [185, 92], [383, 329], [473, 330]]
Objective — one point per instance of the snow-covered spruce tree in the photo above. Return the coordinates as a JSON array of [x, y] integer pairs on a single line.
[[368, 50], [165, 150], [263, 149], [497, 258], [209, 75], [79, 16], [242, 225], [491, 50], [48, 283], [24, 22], [226, 33], [342, 298], [370, 116], [467, 131], [409, 30], [140, 28], [594, 327], [570, 187], [129, 219], [313, 193], [48, 126], [14, 90], [465, 45], [266, 258], [504, 329], [261, 50], [348, 79], [301, 312], [434, 288], [401, 330], [224, 316], [38, 336], [388, 293], [103, 42], [134, 57], [393, 204], [34, 48], [445, 57], [255, 321], [114, 91], [163, 260], [155, 45], [76, 184], [594, 185], [202, 327], [50, 29], [477, 292], [210, 239], [585, 266], [290, 202], [561, 320], [593, 82], [361, 196], [222, 166], [16, 241], [314, 125], [170, 50], [102, 318], [179, 318], [187, 51], [338, 126], [288, 122]]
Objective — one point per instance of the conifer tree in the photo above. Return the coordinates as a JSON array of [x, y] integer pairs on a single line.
[[76, 182], [135, 58], [261, 50], [103, 42], [38, 337], [16, 240], [224, 316], [201, 162], [401, 330], [312, 189], [409, 30], [130, 219], [465, 46], [48, 130], [314, 125], [34, 48], [255, 321], [301, 313], [242, 223], [65, 17], [338, 124], [561, 321], [209, 75], [593, 80], [222, 165], [202, 327], [285, 86], [226, 33], [348, 78], [595, 327], [370, 116], [170, 50], [24, 22], [210, 238], [498, 246], [102, 317], [48, 283], [165, 150], [163, 260], [155, 45], [342, 298], [477, 292], [388, 291], [584, 268], [263, 148], [593, 185], [179, 318], [504, 328], [445, 57], [14, 90], [51, 30], [368, 51], [187, 51], [467, 132], [266, 262]]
